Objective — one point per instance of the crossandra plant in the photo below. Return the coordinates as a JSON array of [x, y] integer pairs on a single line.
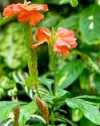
[[45, 74]]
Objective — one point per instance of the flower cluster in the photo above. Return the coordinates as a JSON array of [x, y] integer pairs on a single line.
[[26, 13], [65, 39]]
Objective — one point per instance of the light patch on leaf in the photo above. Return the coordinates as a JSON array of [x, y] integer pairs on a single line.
[[62, 79], [38, 117], [91, 25], [98, 2], [91, 17]]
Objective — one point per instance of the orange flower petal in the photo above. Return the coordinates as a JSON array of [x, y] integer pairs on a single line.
[[36, 45], [42, 35], [11, 10], [71, 41], [35, 17], [8, 12], [62, 32], [61, 47], [68, 36], [23, 17], [37, 7]]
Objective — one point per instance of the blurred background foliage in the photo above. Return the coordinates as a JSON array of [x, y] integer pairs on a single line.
[[80, 71]]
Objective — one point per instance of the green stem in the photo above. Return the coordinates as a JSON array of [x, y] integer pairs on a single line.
[[52, 57], [32, 60], [15, 123], [52, 119]]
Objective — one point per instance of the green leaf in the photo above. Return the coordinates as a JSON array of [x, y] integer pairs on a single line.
[[69, 73], [38, 1], [46, 81], [37, 120], [5, 20], [84, 80], [89, 110], [90, 25], [12, 47], [6, 83], [60, 2], [76, 115], [92, 98], [87, 122], [51, 20], [61, 96], [97, 83], [26, 111], [89, 62], [74, 3], [6, 108], [70, 22]]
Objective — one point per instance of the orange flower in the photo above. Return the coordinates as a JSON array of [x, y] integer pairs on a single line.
[[42, 35], [26, 13], [68, 36], [65, 41]]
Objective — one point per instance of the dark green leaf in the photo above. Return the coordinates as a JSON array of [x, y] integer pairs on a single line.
[[69, 73], [86, 122], [97, 83]]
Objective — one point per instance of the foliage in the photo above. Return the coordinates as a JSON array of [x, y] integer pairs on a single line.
[[69, 95]]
